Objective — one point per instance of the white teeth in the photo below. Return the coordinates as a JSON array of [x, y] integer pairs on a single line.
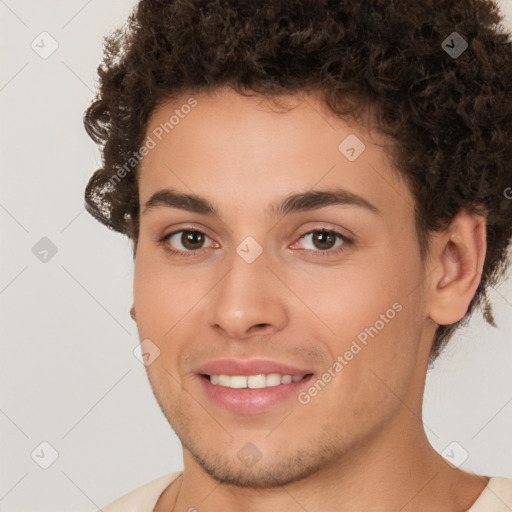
[[274, 379], [238, 381], [253, 381], [256, 381], [224, 380]]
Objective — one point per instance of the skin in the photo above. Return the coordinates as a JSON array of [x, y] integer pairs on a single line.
[[360, 443]]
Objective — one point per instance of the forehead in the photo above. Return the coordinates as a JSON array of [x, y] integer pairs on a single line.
[[251, 149]]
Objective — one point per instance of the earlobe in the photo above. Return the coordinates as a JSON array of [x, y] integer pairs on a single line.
[[459, 255]]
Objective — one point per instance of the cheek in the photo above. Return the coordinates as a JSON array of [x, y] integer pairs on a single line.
[[351, 297], [370, 319], [375, 367], [162, 294]]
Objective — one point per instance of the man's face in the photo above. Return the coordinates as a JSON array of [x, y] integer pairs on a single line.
[[252, 283]]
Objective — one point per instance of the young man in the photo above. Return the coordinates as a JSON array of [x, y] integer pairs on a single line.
[[317, 197]]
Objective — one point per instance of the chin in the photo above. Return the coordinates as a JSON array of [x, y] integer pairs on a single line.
[[268, 471]]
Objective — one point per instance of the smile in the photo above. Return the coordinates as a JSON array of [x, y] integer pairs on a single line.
[[258, 381]]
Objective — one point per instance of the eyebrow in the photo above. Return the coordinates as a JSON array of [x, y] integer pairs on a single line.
[[298, 202]]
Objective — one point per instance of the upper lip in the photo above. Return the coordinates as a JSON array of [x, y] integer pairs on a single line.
[[249, 367]]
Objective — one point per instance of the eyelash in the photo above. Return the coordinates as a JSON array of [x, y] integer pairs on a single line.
[[329, 252]]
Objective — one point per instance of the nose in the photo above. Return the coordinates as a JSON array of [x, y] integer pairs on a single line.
[[248, 300]]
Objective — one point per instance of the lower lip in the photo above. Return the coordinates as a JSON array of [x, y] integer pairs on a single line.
[[251, 401]]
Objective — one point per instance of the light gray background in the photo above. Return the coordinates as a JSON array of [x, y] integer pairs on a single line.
[[69, 375]]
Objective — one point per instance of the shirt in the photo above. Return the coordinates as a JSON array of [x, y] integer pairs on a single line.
[[496, 497]]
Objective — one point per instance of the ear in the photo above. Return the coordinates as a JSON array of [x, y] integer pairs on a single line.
[[457, 259]]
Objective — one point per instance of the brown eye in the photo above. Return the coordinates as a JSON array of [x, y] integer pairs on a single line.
[[192, 240], [323, 240], [184, 241]]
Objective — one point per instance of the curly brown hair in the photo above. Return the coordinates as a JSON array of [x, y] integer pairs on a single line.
[[449, 115]]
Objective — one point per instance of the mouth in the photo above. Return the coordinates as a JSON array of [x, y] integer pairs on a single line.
[[251, 386], [253, 394], [257, 381]]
